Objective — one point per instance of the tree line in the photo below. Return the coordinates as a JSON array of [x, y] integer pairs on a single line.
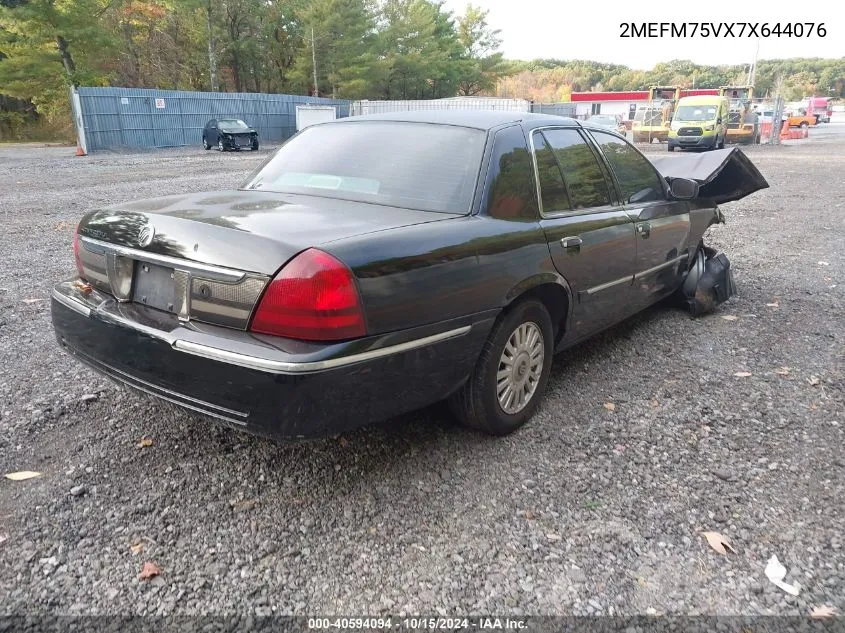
[[551, 80], [351, 49]]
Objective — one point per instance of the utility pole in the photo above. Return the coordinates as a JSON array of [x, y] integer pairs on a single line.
[[212, 55], [314, 63]]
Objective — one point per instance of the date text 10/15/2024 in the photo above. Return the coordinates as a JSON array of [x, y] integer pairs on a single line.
[[418, 623]]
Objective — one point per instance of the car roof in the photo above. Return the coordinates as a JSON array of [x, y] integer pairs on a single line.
[[479, 119]]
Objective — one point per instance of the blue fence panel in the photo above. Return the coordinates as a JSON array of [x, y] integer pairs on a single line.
[[140, 118]]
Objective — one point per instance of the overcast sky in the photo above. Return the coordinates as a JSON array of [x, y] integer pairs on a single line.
[[580, 29]]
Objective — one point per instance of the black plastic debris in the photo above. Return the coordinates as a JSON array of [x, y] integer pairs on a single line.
[[709, 283]]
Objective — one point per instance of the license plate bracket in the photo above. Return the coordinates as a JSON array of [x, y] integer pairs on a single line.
[[154, 287]]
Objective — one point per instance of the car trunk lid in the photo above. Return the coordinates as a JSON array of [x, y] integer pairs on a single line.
[[208, 257]]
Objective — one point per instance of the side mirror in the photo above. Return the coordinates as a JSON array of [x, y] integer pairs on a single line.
[[683, 188], [719, 121]]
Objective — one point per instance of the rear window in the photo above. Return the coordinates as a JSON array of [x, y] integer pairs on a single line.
[[411, 165]]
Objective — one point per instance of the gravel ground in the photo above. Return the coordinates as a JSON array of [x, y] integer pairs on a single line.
[[584, 511]]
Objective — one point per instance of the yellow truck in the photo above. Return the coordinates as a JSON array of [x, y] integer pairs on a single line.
[[699, 122], [743, 122], [652, 121]]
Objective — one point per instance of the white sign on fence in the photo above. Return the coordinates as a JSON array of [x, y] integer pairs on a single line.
[[124, 100], [312, 114], [160, 104]]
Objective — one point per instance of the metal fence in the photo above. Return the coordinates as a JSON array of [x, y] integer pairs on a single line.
[[137, 118], [462, 103], [114, 118]]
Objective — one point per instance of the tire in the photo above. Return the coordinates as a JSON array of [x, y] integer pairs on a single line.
[[720, 144], [220, 146], [255, 146], [804, 125], [205, 144], [477, 403], [671, 148]]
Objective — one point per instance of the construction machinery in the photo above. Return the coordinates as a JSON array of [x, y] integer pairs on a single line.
[[743, 122], [652, 121]]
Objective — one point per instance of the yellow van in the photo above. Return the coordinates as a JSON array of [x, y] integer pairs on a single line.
[[699, 122]]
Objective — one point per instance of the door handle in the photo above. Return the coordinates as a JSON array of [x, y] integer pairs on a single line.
[[644, 229], [573, 243]]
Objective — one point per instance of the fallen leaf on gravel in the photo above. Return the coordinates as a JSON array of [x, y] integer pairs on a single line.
[[813, 406], [3, 538], [742, 374], [813, 380], [782, 371], [343, 442], [554, 537], [149, 570], [718, 542], [529, 515], [828, 278], [246, 504], [824, 263], [654, 404], [730, 317], [22, 475], [776, 572], [610, 406], [145, 442], [823, 611], [772, 305], [61, 225], [137, 548], [36, 300]]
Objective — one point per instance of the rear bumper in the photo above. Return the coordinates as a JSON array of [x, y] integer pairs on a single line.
[[269, 386]]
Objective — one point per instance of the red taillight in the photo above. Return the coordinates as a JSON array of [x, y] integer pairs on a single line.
[[313, 298], [76, 256]]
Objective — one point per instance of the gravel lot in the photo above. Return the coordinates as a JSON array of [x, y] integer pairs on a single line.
[[584, 511]]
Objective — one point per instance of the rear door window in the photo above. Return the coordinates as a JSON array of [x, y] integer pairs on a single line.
[[637, 178], [585, 181], [553, 192]]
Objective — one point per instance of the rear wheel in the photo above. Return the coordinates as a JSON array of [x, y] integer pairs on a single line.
[[671, 148], [510, 376], [804, 125], [255, 145], [721, 144], [205, 143]]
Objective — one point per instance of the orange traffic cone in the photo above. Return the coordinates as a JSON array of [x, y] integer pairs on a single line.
[[784, 130], [79, 151]]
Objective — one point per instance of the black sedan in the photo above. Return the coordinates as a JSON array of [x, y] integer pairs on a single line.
[[229, 134], [379, 264]]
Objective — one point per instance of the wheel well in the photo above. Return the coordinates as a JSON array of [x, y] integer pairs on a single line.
[[556, 301]]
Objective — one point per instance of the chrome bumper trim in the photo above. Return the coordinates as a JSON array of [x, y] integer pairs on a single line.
[[283, 367], [73, 304], [204, 270], [256, 362]]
